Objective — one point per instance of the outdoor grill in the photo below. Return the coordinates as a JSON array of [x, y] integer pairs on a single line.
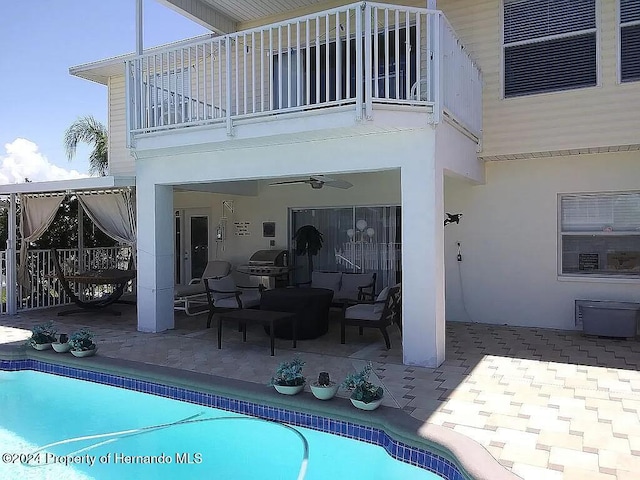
[[271, 266]]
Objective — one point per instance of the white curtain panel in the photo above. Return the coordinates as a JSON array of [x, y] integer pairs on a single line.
[[114, 214], [36, 214]]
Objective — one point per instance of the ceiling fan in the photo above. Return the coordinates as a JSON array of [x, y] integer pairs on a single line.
[[317, 182]]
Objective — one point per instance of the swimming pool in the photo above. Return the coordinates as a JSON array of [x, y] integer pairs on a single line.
[[164, 438]]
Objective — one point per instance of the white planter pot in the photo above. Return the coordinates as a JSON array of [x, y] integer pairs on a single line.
[[42, 346], [287, 390], [324, 393], [366, 406], [61, 347], [84, 353]]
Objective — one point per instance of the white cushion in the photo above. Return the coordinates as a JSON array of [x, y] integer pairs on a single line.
[[216, 269], [382, 297], [224, 284], [362, 311], [351, 282], [330, 280]]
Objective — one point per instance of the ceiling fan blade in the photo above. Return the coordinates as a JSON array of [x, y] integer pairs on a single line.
[[338, 184], [290, 182]]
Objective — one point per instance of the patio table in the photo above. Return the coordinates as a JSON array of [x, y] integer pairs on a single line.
[[262, 317]]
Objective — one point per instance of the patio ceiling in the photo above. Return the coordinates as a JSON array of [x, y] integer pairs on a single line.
[[250, 187]]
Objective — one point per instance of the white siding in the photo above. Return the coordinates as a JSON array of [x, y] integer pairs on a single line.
[[589, 117], [120, 160], [509, 240]]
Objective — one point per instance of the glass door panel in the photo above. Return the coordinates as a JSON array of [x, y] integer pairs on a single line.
[[199, 245]]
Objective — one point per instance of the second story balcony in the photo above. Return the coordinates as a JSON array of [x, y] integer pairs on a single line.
[[349, 61]]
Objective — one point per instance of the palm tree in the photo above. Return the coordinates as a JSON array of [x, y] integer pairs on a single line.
[[89, 130], [308, 241]]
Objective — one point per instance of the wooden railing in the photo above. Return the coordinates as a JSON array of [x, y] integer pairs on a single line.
[[356, 55]]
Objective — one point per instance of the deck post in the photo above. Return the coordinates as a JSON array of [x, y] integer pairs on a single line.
[[12, 277]]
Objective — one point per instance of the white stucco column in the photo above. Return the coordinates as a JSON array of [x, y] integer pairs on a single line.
[[423, 334], [155, 257]]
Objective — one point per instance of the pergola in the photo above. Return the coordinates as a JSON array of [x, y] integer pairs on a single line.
[[59, 188]]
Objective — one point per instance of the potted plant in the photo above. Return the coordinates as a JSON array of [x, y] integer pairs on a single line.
[[324, 388], [62, 344], [42, 336], [82, 344], [364, 394], [288, 378], [308, 242]]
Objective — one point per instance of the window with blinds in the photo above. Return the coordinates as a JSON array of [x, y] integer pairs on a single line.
[[600, 234], [549, 45], [629, 40]]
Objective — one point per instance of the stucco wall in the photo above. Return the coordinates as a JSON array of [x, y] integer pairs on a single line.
[[273, 203], [509, 238]]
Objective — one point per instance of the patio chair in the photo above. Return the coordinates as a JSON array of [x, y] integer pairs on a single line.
[[223, 294], [381, 313], [195, 293]]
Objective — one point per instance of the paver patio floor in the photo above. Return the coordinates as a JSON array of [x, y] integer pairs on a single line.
[[547, 404]]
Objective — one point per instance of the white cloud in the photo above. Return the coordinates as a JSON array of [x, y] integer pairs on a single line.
[[23, 160]]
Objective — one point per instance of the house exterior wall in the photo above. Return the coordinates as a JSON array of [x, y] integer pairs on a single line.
[[604, 115], [411, 151], [509, 240], [273, 203], [120, 160]]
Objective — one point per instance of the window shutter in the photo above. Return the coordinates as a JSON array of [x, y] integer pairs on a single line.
[[629, 40], [549, 45], [531, 19]]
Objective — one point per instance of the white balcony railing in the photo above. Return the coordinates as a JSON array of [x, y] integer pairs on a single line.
[[44, 289], [359, 55]]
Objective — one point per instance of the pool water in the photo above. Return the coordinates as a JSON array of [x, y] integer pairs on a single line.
[[38, 409]]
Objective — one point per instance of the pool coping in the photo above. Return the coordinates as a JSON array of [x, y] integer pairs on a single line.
[[470, 458]]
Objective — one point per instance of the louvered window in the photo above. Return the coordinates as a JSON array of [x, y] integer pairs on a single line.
[[629, 40], [549, 45], [600, 234]]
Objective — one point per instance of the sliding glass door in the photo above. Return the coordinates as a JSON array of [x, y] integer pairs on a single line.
[[356, 239]]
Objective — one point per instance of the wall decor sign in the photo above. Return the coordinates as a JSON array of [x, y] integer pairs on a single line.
[[242, 229]]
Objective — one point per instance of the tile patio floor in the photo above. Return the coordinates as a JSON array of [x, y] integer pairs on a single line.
[[547, 404]]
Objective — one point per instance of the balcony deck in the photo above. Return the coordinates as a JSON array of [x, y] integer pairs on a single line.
[[341, 66]]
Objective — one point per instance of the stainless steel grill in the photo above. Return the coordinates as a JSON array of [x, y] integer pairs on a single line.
[[267, 263]]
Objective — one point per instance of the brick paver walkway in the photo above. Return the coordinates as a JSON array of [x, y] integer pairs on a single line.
[[547, 404]]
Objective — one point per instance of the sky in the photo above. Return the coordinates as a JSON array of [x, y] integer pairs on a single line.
[[39, 99]]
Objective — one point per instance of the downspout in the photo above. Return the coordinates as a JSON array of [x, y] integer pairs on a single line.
[[139, 36], [11, 259]]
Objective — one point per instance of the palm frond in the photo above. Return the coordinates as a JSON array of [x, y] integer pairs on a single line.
[[89, 130]]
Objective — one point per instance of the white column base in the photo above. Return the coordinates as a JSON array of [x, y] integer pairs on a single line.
[[155, 284]]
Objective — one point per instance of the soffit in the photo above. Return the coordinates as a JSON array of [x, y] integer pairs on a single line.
[[250, 10]]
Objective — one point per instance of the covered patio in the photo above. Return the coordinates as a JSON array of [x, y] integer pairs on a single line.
[[546, 403]]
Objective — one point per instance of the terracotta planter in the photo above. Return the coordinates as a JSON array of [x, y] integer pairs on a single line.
[[324, 392], [42, 346], [84, 353], [288, 390], [61, 347], [366, 406]]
